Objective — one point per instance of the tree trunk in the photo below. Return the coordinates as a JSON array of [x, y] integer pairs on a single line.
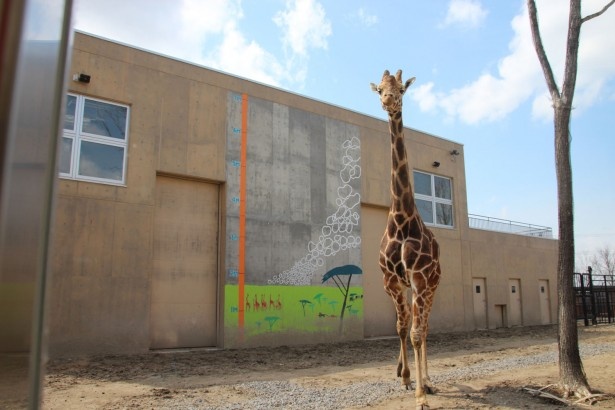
[[571, 374]]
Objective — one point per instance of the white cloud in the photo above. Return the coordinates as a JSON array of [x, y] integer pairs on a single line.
[[519, 78], [542, 107], [208, 16], [425, 97], [466, 13], [245, 58], [367, 19], [179, 29], [304, 25], [208, 32]]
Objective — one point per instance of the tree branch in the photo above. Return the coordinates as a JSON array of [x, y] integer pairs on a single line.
[[591, 16], [572, 55], [540, 51]]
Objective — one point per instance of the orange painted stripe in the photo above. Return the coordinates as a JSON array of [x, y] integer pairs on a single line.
[[242, 208]]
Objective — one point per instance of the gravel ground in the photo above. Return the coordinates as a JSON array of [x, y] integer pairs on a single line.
[[289, 395], [470, 370]]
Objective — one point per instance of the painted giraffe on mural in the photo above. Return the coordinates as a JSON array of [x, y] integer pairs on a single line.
[[409, 253]]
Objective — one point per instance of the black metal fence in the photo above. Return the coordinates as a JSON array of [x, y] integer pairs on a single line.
[[595, 298]]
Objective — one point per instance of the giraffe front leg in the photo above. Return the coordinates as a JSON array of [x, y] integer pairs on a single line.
[[400, 362], [421, 397], [418, 339], [403, 320], [403, 370]]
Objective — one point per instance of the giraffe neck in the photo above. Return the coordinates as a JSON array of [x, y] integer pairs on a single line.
[[402, 199]]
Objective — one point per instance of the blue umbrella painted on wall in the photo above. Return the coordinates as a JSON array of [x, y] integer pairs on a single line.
[[336, 275]]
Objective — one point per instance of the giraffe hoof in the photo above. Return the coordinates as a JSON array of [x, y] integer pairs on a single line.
[[406, 383], [421, 403]]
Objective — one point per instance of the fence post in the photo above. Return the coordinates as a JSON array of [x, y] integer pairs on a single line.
[[592, 296], [609, 310], [583, 302]]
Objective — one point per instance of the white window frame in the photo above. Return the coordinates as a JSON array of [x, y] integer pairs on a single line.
[[77, 135], [434, 200]]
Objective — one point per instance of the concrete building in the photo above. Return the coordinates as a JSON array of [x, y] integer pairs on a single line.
[[200, 209]]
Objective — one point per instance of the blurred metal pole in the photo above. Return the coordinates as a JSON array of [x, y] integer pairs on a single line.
[[35, 40]]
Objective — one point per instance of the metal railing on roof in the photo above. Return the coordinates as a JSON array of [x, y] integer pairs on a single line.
[[503, 225]]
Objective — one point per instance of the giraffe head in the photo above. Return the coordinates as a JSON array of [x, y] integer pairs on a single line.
[[391, 90]]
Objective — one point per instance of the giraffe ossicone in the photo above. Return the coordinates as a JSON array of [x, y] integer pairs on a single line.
[[409, 253]]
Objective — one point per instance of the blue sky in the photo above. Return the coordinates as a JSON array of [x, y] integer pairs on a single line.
[[478, 81]]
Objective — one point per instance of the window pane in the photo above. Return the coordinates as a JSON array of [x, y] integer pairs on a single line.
[[425, 210], [104, 119], [444, 214], [66, 149], [443, 187], [422, 183], [69, 115], [101, 161]]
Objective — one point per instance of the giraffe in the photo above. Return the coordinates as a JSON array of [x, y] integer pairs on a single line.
[[409, 253]]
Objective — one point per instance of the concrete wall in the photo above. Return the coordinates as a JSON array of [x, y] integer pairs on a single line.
[[185, 136], [500, 257]]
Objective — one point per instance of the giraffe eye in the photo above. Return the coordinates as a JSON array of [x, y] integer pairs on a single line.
[[379, 91]]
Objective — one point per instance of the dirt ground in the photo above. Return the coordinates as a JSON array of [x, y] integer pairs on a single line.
[[162, 380]]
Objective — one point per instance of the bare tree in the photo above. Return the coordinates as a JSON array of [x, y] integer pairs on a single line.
[[572, 379], [603, 261]]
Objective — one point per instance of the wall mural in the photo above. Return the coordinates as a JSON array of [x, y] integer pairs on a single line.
[[337, 232], [293, 248]]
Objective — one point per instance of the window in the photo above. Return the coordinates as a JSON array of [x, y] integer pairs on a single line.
[[94, 140], [434, 198]]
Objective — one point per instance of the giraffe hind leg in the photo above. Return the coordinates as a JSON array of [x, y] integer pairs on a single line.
[[427, 384]]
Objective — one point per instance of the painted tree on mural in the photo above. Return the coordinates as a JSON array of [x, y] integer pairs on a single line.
[[303, 303], [572, 378], [271, 320], [335, 275]]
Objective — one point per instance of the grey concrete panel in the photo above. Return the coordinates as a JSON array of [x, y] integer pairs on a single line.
[[260, 126], [280, 132], [298, 188], [299, 123], [335, 136], [259, 193], [300, 236], [281, 257], [333, 183], [232, 248], [280, 191], [318, 179], [299, 192], [259, 239], [280, 178], [233, 126]]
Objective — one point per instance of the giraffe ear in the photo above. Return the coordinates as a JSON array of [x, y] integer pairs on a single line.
[[408, 83], [374, 88]]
